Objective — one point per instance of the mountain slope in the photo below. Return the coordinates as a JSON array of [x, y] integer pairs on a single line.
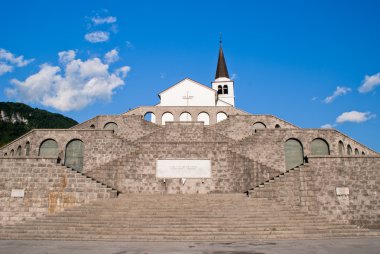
[[17, 119]]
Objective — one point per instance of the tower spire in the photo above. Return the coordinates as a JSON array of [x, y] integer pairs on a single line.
[[221, 69]]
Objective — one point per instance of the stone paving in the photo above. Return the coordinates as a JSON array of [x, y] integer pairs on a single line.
[[336, 246]]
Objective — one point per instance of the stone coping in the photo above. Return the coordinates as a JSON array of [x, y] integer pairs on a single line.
[[54, 130]]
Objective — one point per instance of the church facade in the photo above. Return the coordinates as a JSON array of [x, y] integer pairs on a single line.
[[194, 141]]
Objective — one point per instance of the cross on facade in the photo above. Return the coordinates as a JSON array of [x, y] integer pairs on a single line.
[[187, 98]]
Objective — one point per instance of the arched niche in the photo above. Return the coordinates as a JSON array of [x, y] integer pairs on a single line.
[[293, 153], [18, 151], [74, 154], [48, 148], [92, 126], [27, 148], [221, 116], [185, 117], [12, 152], [259, 125], [356, 151], [204, 117], [150, 117], [349, 150], [277, 126], [111, 126], [320, 146], [167, 117], [341, 147]]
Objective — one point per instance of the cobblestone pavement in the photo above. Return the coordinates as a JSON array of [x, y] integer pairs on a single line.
[[335, 246]]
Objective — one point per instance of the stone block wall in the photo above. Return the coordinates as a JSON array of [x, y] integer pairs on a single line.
[[339, 188], [267, 146], [130, 127], [100, 146], [194, 111], [360, 176], [48, 188], [238, 127]]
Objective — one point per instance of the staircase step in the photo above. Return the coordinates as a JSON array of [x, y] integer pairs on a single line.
[[154, 217]]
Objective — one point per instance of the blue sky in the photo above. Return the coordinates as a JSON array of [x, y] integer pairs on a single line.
[[312, 63]]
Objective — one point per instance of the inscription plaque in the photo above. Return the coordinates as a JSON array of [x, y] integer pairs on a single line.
[[18, 193], [183, 169], [341, 191]]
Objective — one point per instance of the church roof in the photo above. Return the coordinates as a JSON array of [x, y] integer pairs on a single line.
[[221, 69], [189, 79]]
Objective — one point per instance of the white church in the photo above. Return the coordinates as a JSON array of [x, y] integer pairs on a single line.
[[190, 93]]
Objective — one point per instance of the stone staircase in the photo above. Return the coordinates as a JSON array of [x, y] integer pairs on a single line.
[[48, 187], [293, 187], [155, 217]]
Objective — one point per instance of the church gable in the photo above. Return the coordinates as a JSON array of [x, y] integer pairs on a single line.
[[188, 93]]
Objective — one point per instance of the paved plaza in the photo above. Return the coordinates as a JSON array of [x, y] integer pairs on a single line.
[[336, 246]]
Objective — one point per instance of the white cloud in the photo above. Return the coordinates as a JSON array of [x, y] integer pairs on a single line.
[[354, 116], [97, 36], [327, 126], [106, 20], [129, 44], [78, 84], [339, 91], [4, 68], [66, 56], [111, 56], [9, 61], [369, 83], [10, 58], [123, 71]]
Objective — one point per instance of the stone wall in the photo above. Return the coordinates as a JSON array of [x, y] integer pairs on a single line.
[[48, 188], [267, 145], [176, 111], [362, 178], [339, 188], [130, 127], [238, 127], [100, 146]]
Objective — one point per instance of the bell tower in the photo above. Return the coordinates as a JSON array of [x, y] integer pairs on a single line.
[[222, 83]]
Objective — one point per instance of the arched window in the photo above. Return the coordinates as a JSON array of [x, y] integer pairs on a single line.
[[356, 151], [167, 117], [185, 117], [277, 126], [204, 117], [293, 153], [363, 153], [319, 147], [341, 147], [92, 126], [12, 152], [74, 155], [349, 150], [221, 116], [18, 151], [258, 125], [27, 148], [5, 154], [225, 89], [150, 117], [220, 90], [111, 126], [48, 148]]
